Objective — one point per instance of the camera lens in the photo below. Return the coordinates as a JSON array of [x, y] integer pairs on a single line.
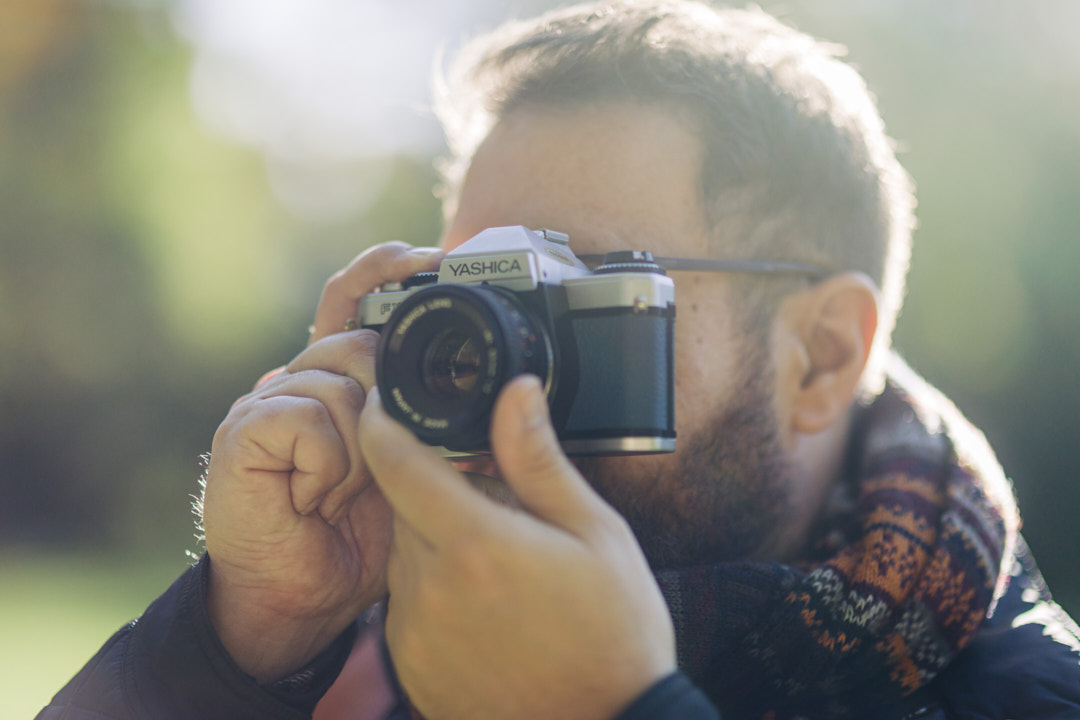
[[446, 352], [452, 364]]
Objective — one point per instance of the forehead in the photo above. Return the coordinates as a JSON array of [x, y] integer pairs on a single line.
[[612, 177]]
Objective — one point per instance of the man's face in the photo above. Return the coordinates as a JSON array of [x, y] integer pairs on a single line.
[[627, 177]]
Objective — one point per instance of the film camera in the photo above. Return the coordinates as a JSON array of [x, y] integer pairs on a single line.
[[513, 300]]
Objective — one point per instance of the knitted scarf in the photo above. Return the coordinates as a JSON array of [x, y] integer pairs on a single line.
[[906, 565], [899, 579]]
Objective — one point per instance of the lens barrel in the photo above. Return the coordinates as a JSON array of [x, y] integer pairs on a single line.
[[447, 351]]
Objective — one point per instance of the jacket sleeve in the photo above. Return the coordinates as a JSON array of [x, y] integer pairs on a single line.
[[169, 663], [1025, 660], [672, 698]]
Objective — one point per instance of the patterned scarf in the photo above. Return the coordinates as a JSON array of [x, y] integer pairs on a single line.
[[898, 582], [907, 564]]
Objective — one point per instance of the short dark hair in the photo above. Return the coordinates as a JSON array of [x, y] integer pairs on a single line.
[[797, 162]]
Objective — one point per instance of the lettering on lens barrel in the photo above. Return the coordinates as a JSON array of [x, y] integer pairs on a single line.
[[513, 300]]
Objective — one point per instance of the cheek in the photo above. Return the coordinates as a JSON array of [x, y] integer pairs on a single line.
[[704, 361], [691, 373]]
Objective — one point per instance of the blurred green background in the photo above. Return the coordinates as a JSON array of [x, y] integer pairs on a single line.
[[176, 183]]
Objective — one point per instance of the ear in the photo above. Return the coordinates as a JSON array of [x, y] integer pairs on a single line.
[[824, 340]]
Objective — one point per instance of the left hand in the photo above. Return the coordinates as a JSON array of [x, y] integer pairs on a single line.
[[503, 613]]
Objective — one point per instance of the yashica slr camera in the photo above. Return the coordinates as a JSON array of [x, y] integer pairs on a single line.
[[512, 300]]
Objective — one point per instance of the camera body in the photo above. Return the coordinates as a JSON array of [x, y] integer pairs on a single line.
[[512, 300]]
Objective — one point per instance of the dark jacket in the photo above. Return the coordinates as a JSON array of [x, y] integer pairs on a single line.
[[1024, 663]]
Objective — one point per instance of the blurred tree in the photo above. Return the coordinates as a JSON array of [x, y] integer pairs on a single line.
[[147, 275], [29, 30], [75, 291]]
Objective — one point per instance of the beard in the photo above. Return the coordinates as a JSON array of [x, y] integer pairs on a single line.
[[721, 497]]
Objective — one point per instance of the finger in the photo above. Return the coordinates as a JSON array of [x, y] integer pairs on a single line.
[[425, 492], [405, 572], [336, 502], [351, 354], [533, 464], [390, 262], [267, 377], [411, 550], [285, 434], [341, 399]]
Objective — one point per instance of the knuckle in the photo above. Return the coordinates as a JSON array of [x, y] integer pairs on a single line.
[[335, 282], [302, 409], [364, 344], [617, 537], [620, 527], [224, 431], [229, 424], [362, 274], [385, 252], [234, 421], [289, 411], [349, 389], [611, 525], [360, 359], [243, 403], [372, 262], [269, 377]]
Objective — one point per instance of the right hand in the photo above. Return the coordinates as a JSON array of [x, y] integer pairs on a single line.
[[297, 532]]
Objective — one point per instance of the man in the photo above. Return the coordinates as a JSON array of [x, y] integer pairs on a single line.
[[830, 539]]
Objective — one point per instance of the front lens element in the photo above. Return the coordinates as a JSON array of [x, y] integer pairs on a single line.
[[447, 350], [451, 364]]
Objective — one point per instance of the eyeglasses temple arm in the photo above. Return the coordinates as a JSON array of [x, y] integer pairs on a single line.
[[763, 267]]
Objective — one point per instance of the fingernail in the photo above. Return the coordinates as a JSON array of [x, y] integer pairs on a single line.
[[426, 251]]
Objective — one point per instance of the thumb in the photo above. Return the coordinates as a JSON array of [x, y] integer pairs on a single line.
[[533, 464]]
